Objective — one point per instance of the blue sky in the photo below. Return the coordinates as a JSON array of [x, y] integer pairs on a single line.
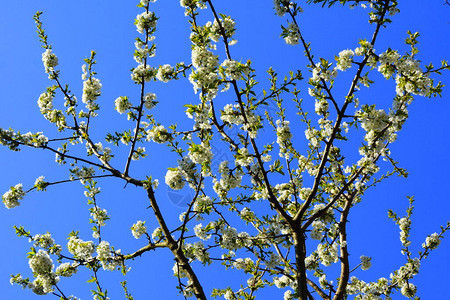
[[75, 28]]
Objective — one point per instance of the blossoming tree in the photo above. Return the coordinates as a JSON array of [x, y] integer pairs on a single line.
[[277, 209]]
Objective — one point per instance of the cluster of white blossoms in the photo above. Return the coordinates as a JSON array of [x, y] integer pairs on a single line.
[[47, 242], [12, 197], [91, 90], [66, 269], [283, 281], [105, 257], [149, 100], [50, 61], [345, 60], [402, 276], [281, 7], [284, 136], [231, 114], [143, 73], [99, 215], [292, 34], [197, 251], [321, 106], [138, 153], [82, 174], [321, 71], [42, 266], [122, 104], [328, 254], [205, 74], [228, 26], [145, 2], [98, 149], [203, 204], [165, 73], [159, 134], [227, 181], [80, 249], [365, 262], [409, 76], [201, 232], [432, 241], [232, 69], [372, 290], [405, 226], [145, 21], [242, 264], [45, 102], [11, 139], [138, 229], [387, 61], [176, 177], [243, 158], [200, 153]]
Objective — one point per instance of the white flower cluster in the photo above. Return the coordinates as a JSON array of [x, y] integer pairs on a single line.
[[174, 179], [66, 269], [228, 26], [145, 21], [138, 229], [409, 76], [242, 264], [11, 198], [42, 266], [103, 152], [80, 249], [200, 154], [365, 262], [292, 34], [345, 59], [232, 114], [432, 241], [198, 251], [82, 174], [50, 61], [91, 90], [321, 71], [165, 73], [205, 74], [159, 135], [401, 277], [99, 215], [243, 158], [227, 181], [105, 257], [138, 153], [45, 102], [42, 240], [232, 69], [232, 240], [142, 73], [149, 100], [405, 225], [371, 290], [284, 136], [203, 204], [281, 7], [283, 281], [328, 254], [157, 234], [201, 232]]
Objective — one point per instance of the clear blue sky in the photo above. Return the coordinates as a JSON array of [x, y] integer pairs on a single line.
[[77, 27]]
